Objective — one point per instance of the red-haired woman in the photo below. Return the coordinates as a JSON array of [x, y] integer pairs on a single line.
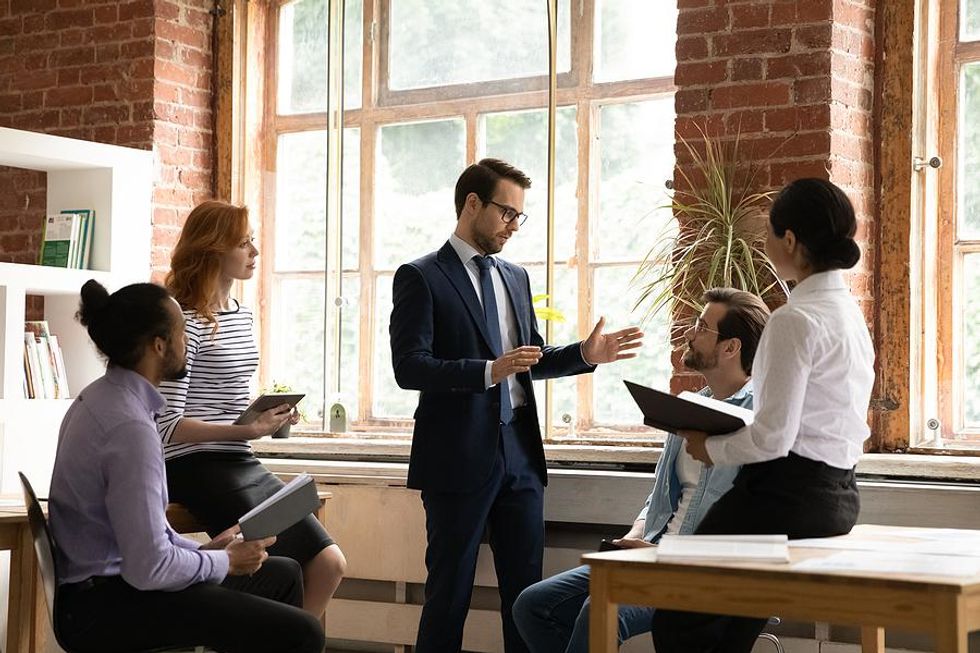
[[210, 465]]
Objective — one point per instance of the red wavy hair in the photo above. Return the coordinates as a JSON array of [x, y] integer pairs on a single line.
[[212, 229]]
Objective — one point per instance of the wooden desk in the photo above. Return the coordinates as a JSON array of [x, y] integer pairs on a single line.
[[948, 607]]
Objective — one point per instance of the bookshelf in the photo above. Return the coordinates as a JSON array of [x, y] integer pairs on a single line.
[[117, 183]]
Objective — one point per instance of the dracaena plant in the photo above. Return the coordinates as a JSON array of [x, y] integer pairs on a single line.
[[716, 236]]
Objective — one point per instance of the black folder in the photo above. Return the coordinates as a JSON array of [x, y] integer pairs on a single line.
[[674, 413]]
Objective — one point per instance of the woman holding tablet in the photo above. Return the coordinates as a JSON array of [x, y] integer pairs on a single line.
[[813, 375], [210, 465]]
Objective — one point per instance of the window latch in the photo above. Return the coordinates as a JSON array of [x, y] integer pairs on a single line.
[[919, 163]]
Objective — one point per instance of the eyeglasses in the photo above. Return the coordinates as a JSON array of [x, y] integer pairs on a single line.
[[700, 326], [509, 214]]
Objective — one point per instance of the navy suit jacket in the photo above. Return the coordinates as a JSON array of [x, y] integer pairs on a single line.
[[439, 346]]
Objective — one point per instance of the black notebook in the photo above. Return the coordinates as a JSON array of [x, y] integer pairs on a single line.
[[687, 411], [280, 511]]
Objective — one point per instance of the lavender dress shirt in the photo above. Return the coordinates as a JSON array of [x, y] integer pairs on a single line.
[[109, 493]]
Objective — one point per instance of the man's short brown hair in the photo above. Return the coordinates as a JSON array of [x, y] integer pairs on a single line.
[[745, 318], [482, 178]]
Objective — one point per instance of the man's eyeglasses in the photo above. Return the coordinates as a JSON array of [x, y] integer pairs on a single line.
[[700, 326], [509, 214]]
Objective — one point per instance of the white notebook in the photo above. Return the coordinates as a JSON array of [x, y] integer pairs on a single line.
[[755, 548]]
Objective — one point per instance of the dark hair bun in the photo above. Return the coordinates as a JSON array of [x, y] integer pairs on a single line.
[[843, 254], [94, 300]]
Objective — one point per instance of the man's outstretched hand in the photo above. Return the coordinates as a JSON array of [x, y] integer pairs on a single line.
[[602, 347]]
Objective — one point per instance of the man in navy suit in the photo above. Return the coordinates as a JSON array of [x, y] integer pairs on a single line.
[[463, 332]]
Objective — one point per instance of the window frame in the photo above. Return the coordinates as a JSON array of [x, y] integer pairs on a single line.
[[379, 107]]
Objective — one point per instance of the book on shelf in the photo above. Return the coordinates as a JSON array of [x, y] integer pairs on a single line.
[[57, 239], [45, 374], [67, 239], [86, 232], [688, 411]]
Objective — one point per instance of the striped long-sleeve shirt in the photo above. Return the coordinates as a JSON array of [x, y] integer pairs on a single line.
[[216, 388]]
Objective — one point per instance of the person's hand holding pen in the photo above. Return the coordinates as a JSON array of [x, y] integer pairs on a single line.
[[696, 445]]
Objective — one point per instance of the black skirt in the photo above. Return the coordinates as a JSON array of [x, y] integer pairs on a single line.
[[219, 487], [795, 496]]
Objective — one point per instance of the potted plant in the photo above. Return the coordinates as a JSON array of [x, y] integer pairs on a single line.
[[716, 237]]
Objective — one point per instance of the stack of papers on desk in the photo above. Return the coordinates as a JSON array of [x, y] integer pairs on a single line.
[[748, 548]]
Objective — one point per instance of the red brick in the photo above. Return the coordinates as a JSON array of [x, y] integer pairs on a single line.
[[750, 15], [751, 95], [749, 42], [747, 69], [799, 65], [702, 21], [700, 74], [75, 95], [691, 48], [58, 20], [31, 6]]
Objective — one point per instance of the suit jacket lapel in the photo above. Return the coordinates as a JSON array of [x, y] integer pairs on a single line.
[[518, 301], [453, 268]]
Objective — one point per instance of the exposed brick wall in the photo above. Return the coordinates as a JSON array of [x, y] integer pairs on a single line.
[[795, 77], [134, 73], [183, 123]]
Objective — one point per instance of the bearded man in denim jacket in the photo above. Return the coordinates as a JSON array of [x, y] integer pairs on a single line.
[[553, 615]]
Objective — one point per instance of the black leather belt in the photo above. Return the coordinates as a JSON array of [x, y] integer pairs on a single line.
[[87, 584]]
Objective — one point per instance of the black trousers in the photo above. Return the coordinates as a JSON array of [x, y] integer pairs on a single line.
[[245, 614], [510, 509], [794, 496]]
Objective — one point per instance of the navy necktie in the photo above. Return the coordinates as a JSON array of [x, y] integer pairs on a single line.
[[484, 263]]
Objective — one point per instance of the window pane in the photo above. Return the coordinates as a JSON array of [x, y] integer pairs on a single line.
[[297, 341], [443, 42], [968, 221], [351, 190], [350, 320], [652, 367], [969, 20], [634, 39], [566, 300], [389, 399], [418, 164], [303, 56], [637, 156], [521, 138], [301, 195], [353, 52], [302, 53]]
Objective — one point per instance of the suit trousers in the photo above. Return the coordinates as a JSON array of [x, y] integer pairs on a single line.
[[509, 508], [244, 614], [795, 496]]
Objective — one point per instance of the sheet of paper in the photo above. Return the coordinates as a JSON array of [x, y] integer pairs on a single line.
[[893, 563], [967, 548]]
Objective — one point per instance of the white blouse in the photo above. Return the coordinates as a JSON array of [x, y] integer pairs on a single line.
[[813, 374]]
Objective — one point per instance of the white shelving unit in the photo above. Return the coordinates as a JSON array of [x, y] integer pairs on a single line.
[[117, 183]]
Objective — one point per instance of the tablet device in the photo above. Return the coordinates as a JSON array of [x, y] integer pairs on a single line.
[[264, 403]]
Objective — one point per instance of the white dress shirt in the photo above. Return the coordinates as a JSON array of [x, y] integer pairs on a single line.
[[813, 374], [505, 313]]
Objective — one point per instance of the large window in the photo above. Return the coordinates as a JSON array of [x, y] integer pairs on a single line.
[[429, 87], [951, 349]]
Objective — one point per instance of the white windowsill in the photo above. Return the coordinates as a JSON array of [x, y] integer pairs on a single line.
[[911, 466]]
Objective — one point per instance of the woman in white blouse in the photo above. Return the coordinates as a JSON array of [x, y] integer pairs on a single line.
[[813, 375]]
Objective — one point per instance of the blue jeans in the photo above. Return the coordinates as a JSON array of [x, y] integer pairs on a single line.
[[553, 615]]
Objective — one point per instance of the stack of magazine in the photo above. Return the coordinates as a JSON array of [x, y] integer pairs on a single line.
[[67, 241], [45, 376]]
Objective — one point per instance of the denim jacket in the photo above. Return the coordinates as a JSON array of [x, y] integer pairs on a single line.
[[664, 498]]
